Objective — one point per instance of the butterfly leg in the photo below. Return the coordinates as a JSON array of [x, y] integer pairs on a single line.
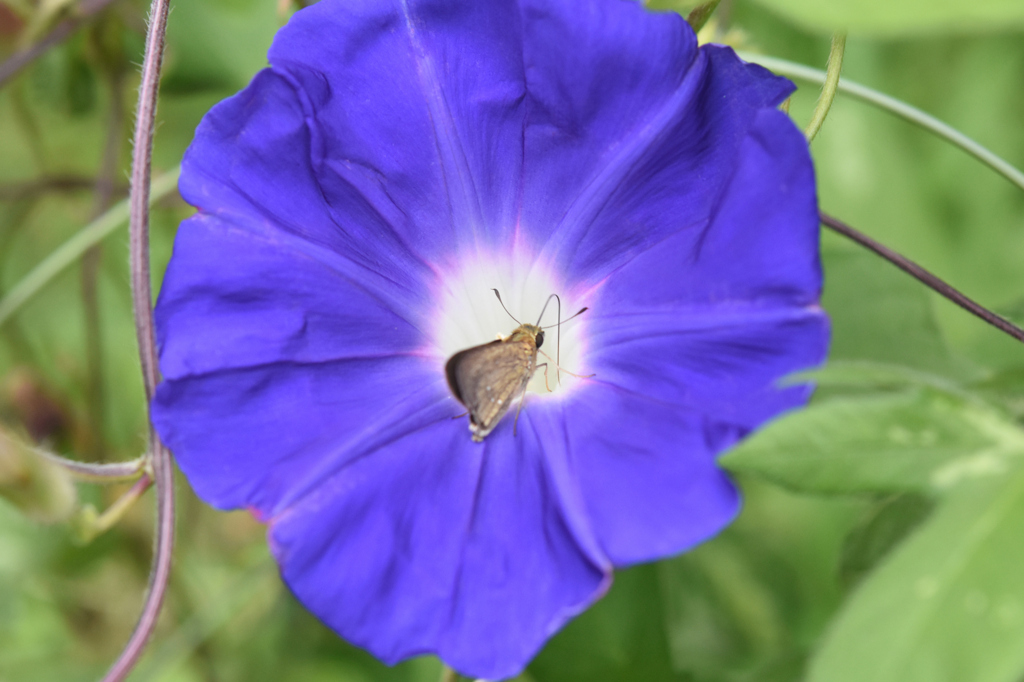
[[515, 424], [562, 369], [546, 384], [522, 396]]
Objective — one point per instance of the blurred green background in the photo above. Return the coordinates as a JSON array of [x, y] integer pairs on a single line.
[[883, 532]]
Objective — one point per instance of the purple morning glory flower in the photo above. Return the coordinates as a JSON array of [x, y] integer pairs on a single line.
[[357, 204]]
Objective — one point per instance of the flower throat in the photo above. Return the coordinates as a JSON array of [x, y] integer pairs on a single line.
[[487, 378]]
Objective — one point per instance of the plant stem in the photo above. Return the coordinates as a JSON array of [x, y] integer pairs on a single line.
[[163, 474], [922, 275], [828, 88], [894, 106], [97, 525], [112, 472]]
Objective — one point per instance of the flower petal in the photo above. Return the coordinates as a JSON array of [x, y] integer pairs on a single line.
[[313, 420], [632, 133], [250, 166], [438, 544], [236, 298], [722, 363], [647, 472], [759, 246], [715, 318], [688, 342], [417, 106]]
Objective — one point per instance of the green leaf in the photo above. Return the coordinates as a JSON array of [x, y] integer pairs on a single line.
[[700, 14], [867, 375], [948, 605], [916, 441], [886, 524], [38, 488], [621, 638], [727, 608], [217, 44], [747, 605], [1005, 388], [884, 17], [881, 314]]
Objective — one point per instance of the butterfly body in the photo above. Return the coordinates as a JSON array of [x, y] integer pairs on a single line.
[[487, 378]]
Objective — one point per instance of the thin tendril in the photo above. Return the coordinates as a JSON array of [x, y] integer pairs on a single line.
[[97, 525], [922, 275], [112, 472], [828, 88], [142, 304], [894, 106]]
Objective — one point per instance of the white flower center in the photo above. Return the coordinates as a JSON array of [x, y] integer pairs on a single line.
[[469, 314]]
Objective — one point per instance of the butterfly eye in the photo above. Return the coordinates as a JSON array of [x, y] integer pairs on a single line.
[[540, 339]]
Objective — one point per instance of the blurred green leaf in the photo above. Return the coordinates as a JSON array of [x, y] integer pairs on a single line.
[[45, 14], [748, 605], [884, 17], [22, 8], [948, 605], [1006, 388], [224, 598], [921, 440], [846, 377], [1013, 311], [217, 44], [881, 314], [727, 609], [883, 527], [700, 14], [622, 638], [38, 488], [63, 80]]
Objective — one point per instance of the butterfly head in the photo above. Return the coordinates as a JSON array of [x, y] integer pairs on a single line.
[[529, 333]]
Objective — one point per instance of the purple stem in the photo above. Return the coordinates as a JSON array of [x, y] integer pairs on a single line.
[[138, 242], [922, 275]]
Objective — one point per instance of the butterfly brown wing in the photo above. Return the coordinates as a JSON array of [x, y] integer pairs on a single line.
[[486, 379]]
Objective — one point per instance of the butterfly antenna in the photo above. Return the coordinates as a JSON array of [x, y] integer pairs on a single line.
[[503, 306], [558, 342], [575, 315], [552, 296]]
